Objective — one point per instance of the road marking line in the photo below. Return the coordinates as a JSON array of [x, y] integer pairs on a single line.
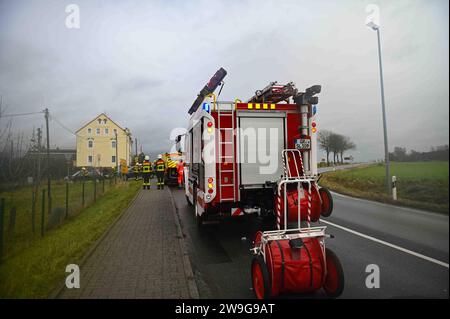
[[438, 262], [409, 209]]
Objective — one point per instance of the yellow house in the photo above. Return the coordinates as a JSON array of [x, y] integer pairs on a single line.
[[103, 143]]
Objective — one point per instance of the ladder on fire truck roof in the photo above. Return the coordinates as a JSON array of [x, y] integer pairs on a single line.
[[226, 142]]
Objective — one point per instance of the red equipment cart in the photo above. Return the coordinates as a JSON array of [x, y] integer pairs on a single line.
[[293, 258]]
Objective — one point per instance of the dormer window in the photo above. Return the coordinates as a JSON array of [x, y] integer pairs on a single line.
[[99, 121], [104, 121]]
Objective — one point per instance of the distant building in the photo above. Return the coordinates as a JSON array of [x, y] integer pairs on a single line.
[[96, 143]]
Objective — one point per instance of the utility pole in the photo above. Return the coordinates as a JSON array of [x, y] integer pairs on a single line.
[[49, 195], [38, 168]]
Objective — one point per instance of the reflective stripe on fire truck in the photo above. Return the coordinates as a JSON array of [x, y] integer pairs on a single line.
[[236, 212]]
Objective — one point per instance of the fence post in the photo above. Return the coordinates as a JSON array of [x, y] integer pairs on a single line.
[[103, 185], [43, 213], [2, 211], [82, 193], [95, 190], [67, 199], [33, 210], [394, 187]]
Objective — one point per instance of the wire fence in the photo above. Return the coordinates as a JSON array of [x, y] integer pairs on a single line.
[[24, 216]]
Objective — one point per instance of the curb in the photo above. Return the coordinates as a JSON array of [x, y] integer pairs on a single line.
[[57, 292], [192, 285]]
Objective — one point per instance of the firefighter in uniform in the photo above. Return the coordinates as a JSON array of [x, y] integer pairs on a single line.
[[160, 167], [136, 171], [146, 165], [180, 171]]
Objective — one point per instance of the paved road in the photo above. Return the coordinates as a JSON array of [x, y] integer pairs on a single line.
[[341, 167], [140, 257], [221, 260]]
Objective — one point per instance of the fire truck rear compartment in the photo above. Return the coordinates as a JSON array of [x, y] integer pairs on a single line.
[[261, 141]]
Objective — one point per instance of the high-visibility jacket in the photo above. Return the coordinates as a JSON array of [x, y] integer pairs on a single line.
[[160, 165], [136, 168], [180, 168], [146, 167]]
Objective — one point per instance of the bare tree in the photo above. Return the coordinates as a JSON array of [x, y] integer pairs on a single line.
[[335, 143], [325, 143], [347, 145]]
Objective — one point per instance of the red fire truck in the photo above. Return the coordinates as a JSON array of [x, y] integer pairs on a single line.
[[234, 150]]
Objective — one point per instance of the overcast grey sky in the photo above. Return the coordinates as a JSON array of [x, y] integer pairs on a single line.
[[143, 62]]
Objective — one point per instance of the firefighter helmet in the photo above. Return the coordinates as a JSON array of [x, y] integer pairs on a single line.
[[159, 156], [147, 158]]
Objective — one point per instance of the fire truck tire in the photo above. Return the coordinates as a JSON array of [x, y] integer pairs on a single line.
[[327, 202], [260, 278], [334, 282]]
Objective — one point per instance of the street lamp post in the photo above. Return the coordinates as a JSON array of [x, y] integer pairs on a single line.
[[374, 26]]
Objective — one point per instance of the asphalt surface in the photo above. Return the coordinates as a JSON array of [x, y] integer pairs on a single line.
[[220, 254]]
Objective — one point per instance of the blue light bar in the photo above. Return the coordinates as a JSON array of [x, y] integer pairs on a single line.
[[207, 107]]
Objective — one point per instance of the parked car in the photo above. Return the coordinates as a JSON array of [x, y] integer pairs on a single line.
[[90, 174]]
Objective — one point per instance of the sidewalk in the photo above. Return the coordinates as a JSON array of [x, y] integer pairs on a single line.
[[140, 257]]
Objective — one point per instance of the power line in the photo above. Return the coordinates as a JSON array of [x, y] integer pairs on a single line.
[[20, 114], [62, 125]]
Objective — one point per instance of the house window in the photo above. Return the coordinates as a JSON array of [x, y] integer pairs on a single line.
[[98, 131], [104, 121], [89, 131], [99, 121], [90, 159], [115, 131], [90, 144], [106, 131], [113, 144], [113, 159]]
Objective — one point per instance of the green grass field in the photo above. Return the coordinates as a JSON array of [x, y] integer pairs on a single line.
[[21, 235], [421, 185], [38, 267]]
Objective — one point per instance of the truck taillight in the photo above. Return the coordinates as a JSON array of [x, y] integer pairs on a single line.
[[210, 185], [210, 125]]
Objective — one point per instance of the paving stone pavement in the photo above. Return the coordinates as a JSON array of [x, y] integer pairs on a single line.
[[140, 257]]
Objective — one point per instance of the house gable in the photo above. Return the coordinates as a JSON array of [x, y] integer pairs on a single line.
[[102, 117]]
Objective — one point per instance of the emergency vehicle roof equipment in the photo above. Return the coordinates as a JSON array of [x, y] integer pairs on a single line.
[[209, 88], [274, 93]]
